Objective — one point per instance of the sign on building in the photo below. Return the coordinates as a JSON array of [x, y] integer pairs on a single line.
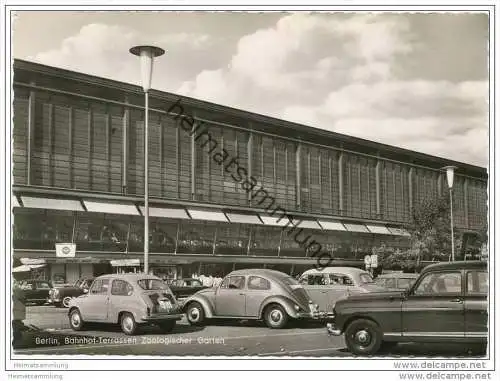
[[65, 250]]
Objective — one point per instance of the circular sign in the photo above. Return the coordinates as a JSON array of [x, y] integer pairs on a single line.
[[368, 260], [66, 250]]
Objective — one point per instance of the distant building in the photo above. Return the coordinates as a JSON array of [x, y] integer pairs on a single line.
[[78, 178]]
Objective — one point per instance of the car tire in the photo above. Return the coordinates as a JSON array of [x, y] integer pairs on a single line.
[[195, 313], [275, 316], [66, 300], [75, 320], [128, 324], [363, 337], [167, 326]]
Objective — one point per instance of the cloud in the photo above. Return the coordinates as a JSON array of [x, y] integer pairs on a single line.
[[102, 49], [380, 76], [342, 73]]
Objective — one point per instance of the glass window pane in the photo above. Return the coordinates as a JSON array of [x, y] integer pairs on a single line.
[[440, 283]]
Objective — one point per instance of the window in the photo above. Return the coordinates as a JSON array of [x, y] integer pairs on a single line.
[[152, 284], [440, 283], [477, 282], [390, 283], [234, 282], [43, 286], [365, 278], [120, 287], [404, 282], [100, 286], [258, 283]]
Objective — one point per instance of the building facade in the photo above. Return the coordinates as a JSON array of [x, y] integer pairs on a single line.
[[220, 182]]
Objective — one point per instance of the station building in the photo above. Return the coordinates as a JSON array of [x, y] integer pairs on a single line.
[[78, 178]]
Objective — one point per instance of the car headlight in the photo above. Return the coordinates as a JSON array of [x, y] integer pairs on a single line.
[[297, 308]]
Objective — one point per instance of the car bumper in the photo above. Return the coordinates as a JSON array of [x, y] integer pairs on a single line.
[[315, 315], [54, 300], [160, 317], [332, 330]]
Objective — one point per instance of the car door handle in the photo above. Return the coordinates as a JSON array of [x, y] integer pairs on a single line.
[[457, 300], [241, 293]]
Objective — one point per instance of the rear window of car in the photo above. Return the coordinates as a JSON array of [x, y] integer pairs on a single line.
[[404, 282], [152, 284]]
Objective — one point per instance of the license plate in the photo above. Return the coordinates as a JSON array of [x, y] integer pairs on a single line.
[[165, 304]]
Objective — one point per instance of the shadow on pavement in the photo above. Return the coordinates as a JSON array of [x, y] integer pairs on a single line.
[[428, 350]]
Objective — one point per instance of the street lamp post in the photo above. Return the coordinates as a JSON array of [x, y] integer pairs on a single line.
[[147, 55], [450, 172]]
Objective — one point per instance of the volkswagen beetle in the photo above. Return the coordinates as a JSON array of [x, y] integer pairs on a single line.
[[258, 294]]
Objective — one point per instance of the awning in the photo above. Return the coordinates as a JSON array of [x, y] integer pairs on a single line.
[[399, 231], [32, 261], [111, 207], [198, 214], [25, 268], [357, 228], [166, 212], [125, 262], [276, 221], [14, 202], [332, 225], [51, 203], [244, 218], [309, 224], [378, 229]]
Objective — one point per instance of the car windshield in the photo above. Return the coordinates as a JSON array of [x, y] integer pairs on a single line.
[[152, 284], [365, 278]]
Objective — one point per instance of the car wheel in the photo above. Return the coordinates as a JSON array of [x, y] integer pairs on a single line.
[[167, 326], [195, 314], [66, 300], [128, 324], [75, 320], [363, 337], [275, 316]]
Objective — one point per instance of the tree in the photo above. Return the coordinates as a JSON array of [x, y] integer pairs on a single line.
[[430, 230]]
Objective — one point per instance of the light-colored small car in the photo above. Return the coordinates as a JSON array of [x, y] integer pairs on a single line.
[[254, 294], [130, 300], [331, 284]]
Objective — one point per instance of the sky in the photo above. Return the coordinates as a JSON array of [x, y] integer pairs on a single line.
[[413, 80]]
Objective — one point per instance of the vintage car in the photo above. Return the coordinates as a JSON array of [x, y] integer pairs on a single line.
[[447, 303], [256, 294], [130, 300], [396, 281], [331, 284], [61, 295], [35, 291], [184, 287]]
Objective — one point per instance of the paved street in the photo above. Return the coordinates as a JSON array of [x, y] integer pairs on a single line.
[[221, 339]]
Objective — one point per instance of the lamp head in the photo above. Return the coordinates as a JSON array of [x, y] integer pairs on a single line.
[[450, 172], [147, 54]]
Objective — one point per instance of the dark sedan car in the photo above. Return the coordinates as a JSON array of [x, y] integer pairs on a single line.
[[62, 295], [35, 291], [256, 294], [447, 303], [184, 287]]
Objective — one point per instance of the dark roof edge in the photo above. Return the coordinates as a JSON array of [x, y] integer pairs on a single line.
[[124, 86]]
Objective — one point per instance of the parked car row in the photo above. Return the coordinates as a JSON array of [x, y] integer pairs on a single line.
[[370, 314]]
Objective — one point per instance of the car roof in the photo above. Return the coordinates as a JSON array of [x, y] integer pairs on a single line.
[[398, 275], [260, 272], [130, 277], [458, 265], [329, 270]]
